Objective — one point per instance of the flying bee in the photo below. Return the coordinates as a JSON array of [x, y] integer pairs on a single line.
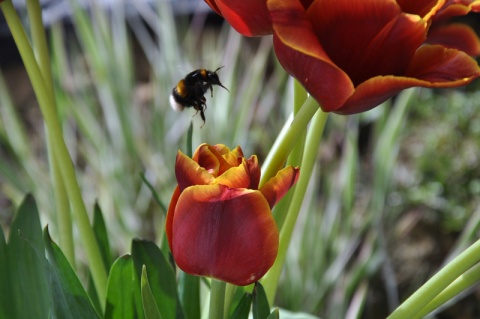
[[190, 90]]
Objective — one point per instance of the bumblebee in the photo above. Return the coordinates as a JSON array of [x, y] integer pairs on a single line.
[[190, 90]]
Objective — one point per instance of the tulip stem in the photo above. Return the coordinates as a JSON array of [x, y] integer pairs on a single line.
[[314, 136], [287, 139], [438, 283], [217, 299], [46, 102]]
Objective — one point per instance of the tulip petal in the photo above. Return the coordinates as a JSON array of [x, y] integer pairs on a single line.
[[276, 187], [424, 8], [381, 38], [248, 17], [170, 215], [432, 66], [225, 233], [457, 36], [442, 67], [189, 173], [456, 8], [254, 171], [232, 157], [304, 57], [209, 158], [236, 177]]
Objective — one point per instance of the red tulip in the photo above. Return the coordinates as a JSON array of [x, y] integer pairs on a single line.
[[355, 54], [248, 17], [219, 224]]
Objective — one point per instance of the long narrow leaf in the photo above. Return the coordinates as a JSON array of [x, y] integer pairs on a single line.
[[275, 314], [120, 303], [261, 309], [70, 300], [189, 293], [243, 308], [4, 282], [162, 278], [26, 262], [149, 305], [101, 235]]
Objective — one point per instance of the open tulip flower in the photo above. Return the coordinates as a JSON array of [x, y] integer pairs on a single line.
[[219, 224], [352, 55]]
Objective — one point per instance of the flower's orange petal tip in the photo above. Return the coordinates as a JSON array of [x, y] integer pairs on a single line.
[[276, 187]]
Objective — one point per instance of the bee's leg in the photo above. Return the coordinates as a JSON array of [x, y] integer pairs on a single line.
[[203, 103], [202, 115]]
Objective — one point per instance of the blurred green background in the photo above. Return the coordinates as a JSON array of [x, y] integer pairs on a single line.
[[396, 191]]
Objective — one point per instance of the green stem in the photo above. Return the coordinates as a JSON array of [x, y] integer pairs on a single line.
[[217, 299], [469, 278], [229, 295], [295, 158], [287, 139], [61, 200], [314, 136], [432, 288], [47, 106]]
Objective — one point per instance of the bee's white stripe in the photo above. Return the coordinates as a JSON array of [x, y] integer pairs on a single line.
[[175, 105]]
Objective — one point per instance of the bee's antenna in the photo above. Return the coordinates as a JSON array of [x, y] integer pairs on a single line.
[[219, 68]]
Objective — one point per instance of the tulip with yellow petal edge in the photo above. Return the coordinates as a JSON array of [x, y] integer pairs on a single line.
[[219, 224]]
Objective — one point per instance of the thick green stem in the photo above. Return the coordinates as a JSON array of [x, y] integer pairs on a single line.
[[217, 299], [432, 288], [47, 106], [287, 139], [295, 158], [471, 277], [64, 221], [314, 136]]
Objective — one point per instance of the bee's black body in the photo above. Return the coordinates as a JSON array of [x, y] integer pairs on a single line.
[[190, 90]]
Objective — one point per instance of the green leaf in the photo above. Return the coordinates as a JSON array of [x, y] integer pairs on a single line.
[[101, 235], [162, 277], [4, 282], [243, 308], [189, 152], [70, 300], [148, 301], [154, 194], [261, 309], [27, 265], [120, 302], [189, 291], [275, 314]]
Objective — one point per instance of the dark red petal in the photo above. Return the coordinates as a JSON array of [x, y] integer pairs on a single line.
[[278, 186], [188, 172], [442, 67], [213, 5], [254, 172], [379, 39], [457, 36], [456, 8], [303, 56], [228, 234], [432, 66], [375, 91], [248, 17], [170, 215]]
